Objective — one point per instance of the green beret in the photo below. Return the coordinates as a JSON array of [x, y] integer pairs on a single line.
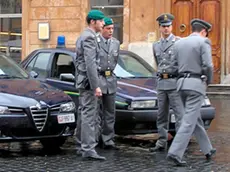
[[96, 15], [108, 21]]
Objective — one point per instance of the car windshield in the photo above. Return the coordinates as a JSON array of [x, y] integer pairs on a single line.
[[9, 69], [132, 67]]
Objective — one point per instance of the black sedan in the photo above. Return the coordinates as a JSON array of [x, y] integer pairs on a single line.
[[136, 100], [33, 110]]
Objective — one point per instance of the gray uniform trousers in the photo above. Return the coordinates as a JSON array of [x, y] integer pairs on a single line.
[[88, 120], [78, 128], [166, 99], [191, 124], [108, 118]]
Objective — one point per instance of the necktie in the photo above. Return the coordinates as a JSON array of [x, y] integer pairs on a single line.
[[164, 42], [107, 45]]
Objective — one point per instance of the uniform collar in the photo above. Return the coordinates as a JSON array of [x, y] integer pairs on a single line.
[[168, 38], [194, 34], [92, 30], [105, 40]]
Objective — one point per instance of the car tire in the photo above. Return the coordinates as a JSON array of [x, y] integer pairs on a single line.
[[53, 143]]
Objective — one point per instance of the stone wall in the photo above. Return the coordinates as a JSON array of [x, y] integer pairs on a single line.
[[139, 23], [140, 19], [65, 17]]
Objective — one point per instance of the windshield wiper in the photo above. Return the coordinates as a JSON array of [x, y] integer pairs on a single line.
[[10, 77], [139, 76], [120, 77], [133, 77]]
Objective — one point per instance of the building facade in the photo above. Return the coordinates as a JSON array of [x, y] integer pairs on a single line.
[[134, 22]]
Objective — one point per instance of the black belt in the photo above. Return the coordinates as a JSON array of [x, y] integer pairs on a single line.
[[189, 75], [166, 75], [106, 73]]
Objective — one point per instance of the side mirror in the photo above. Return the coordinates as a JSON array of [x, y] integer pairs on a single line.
[[33, 74], [67, 77]]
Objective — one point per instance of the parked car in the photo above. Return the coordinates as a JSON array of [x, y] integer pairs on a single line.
[[136, 99], [31, 109]]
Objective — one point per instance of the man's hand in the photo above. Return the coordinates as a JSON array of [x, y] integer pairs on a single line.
[[98, 92]]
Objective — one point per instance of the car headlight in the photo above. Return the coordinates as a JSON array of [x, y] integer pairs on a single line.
[[206, 102], [67, 107], [143, 104], [4, 110]]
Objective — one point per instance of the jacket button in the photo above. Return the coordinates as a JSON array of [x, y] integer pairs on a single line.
[[108, 61]]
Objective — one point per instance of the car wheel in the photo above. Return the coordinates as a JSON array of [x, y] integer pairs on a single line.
[[53, 143]]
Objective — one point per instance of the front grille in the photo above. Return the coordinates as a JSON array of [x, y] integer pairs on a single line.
[[55, 109], [39, 116], [16, 110]]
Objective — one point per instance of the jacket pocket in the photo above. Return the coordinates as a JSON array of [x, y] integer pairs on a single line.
[[80, 79], [83, 82], [115, 53], [158, 54]]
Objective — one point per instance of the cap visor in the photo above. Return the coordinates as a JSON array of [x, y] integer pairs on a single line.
[[166, 24]]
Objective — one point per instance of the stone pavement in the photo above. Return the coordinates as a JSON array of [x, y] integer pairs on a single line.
[[127, 159], [132, 157]]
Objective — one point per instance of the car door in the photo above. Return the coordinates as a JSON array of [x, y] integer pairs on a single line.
[[62, 63]]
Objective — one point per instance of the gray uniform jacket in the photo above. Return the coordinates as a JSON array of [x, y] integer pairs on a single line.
[[108, 57], [87, 60], [163, 54], [193, 54]]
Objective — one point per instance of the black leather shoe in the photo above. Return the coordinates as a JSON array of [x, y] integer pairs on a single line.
[[93, 156], [157, 149], [110, 147], [176, 161], [210, 154]]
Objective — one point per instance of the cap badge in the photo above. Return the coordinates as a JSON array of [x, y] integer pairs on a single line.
[[165, 17]]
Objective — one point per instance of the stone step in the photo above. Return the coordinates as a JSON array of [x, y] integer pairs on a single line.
[[218, 89]]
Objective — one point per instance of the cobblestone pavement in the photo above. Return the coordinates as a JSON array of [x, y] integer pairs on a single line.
[[130, 158]]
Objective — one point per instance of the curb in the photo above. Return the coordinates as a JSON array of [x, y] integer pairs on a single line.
[[218, 93]]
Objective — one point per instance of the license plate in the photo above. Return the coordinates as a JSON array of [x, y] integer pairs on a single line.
[[173, 118], [68, 118]]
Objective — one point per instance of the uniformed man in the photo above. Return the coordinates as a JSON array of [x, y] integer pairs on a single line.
[[108, 57], [166, 83], [87, 81], [194, 57]]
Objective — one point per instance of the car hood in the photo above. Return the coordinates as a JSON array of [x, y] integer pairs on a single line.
[[26, 92], [137, 88]]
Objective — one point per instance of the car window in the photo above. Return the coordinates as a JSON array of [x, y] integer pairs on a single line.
[[31, 65], [10, 68], [63, 63], [39, 64], [128, 66]]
